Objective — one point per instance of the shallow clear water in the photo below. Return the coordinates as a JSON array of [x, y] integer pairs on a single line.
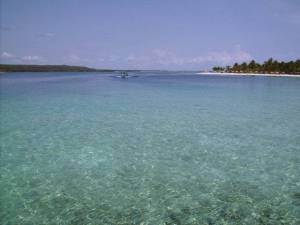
[[88, 148]]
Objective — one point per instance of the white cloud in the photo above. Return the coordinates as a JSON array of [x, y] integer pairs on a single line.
[[161, 59], [32, 58], [131, 58], [11, 58], [168, 58], [165, 57], [161, 53], [7, 55], [225, 57], [76, 59]]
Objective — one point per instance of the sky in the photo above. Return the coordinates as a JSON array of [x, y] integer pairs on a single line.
[[152, 34]]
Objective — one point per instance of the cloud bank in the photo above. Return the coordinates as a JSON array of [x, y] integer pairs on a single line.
[[155, 59], [7, 57]]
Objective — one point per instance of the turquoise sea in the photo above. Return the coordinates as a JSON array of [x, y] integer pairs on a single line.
[[158, 149]]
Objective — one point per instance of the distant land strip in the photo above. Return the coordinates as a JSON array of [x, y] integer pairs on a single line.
[[51, 68]]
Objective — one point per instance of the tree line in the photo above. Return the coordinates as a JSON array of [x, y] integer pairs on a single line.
[[269, 66]]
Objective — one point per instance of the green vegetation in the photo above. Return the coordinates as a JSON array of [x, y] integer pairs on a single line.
[[269, 66], [218, 69], [47, 68]]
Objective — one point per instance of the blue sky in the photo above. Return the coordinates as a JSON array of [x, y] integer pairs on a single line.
[[156, 34]]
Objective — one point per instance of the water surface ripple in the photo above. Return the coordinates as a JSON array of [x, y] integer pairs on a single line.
[[88, 148]]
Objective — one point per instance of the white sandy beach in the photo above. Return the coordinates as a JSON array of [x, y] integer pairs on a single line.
[[249, 74]]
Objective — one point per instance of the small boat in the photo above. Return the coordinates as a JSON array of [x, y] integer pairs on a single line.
[[124, 75]]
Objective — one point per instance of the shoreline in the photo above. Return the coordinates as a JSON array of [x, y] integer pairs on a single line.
[[249, 74]]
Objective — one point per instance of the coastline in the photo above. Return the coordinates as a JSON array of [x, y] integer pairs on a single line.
[[249, 74]]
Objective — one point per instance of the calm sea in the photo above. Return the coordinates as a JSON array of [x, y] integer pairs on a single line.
[[158, 149]]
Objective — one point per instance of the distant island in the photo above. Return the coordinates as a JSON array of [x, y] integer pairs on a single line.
[[44, 68], [268, 67], [52, 68]]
